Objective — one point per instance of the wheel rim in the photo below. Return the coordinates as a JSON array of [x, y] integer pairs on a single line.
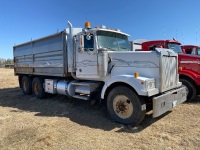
[[122, 106], [24, 85], [36, 88]]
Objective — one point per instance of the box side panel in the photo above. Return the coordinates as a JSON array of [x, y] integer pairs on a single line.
[[45, 56]]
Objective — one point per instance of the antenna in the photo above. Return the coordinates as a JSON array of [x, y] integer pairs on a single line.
[[164, 35], [164, 32], [183, 38], [196, 35]]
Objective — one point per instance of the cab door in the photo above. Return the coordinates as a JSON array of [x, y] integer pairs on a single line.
[[86, 57]]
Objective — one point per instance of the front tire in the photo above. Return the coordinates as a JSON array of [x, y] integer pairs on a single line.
[[190, 88], [37, 86], [125, 106]]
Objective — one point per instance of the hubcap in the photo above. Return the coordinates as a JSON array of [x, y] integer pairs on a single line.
[[122, 106]]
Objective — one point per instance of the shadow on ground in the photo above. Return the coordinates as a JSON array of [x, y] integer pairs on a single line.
[[78, 111]]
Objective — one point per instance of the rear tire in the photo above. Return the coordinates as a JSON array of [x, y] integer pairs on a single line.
[[26, 85], [125, 106], [190, 88], [37, 87]]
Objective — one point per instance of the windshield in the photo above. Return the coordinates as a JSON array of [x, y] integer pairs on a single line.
[[176, 47], [113, 41]]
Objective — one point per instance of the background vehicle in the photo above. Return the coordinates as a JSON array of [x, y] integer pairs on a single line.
[[147, 45], [189, 68], [191, 49], [97, 64]]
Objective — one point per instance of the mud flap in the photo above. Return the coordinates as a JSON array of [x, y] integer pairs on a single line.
[[168, 100]]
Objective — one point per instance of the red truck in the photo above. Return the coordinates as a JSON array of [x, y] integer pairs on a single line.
[[189, 69], [191, 49]]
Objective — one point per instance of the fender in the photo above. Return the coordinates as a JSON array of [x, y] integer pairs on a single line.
[[194, 76], [133, 82]]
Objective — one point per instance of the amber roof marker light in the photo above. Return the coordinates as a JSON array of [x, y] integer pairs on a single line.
[[87, 25]]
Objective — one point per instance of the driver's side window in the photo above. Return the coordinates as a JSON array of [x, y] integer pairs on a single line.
[[88, 42]]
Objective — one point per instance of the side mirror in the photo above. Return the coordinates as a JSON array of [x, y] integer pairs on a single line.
[[88, 37]]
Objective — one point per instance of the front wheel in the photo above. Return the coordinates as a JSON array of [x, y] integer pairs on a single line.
[[190, 89], [125, 106]]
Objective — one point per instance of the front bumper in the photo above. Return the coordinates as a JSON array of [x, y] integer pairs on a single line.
[[168, 100]]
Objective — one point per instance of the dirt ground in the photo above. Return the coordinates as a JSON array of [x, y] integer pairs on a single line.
[[60, 123]]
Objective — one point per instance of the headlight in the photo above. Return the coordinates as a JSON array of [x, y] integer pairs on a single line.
[[150, 84]]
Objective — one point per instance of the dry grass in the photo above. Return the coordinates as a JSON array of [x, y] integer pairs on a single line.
[[59, 123]]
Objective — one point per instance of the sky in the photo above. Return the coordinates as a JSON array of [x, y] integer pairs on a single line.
[[23, 20]]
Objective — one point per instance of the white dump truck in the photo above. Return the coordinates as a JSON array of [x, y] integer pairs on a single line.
[[98, 64]]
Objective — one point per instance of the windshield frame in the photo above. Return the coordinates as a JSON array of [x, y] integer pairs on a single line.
[[112, 41], [178, 51]]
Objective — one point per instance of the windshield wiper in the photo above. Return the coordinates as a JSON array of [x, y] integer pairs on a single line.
[[123, 47], [111, 48]]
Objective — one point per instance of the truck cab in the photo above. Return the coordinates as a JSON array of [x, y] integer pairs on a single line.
[[189, 68], [191, 49], [146, 45], [93, 49]]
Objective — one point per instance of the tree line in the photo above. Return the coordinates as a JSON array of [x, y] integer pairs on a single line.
[[6, 61]]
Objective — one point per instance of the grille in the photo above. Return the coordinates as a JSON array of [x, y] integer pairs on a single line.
[[168, 73]]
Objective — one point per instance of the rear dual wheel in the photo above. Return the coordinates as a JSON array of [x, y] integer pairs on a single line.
[[26, 85], [37, 88]]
